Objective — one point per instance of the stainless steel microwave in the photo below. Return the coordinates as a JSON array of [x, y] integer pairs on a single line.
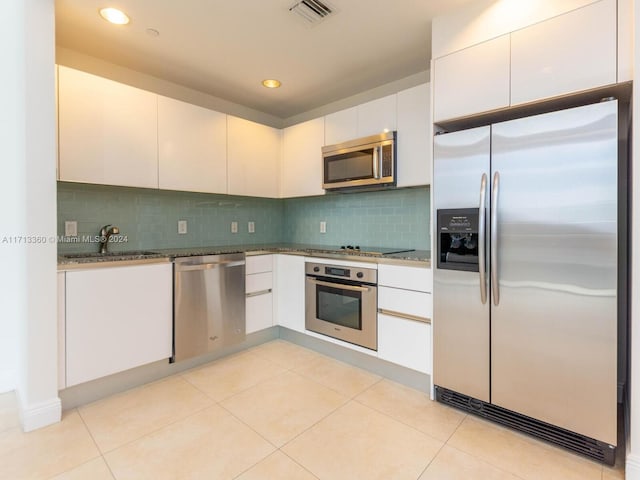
[[365, 162]]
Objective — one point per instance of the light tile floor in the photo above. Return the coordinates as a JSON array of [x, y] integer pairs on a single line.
[[278, 412]]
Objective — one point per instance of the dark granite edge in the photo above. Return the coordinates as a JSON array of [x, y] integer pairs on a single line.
[[422, 257]]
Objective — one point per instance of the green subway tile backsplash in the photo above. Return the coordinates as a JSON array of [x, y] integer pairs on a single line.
[[388, 218], [149, 218]]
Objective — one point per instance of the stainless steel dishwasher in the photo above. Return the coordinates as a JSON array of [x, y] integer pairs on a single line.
[[209, 311]]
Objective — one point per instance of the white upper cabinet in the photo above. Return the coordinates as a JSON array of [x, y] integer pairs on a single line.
[[551, 49], [414, 145], [253, 157], [572, 52], [301, 172], [472, 80], [366, 119], [192, 147], [377, 116], [107, 131], [341, 126]]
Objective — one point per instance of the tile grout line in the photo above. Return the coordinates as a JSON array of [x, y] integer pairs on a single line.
[[151, 432], [298, 463], [497, 467], [96, 444], [316, 423], [401, 421]]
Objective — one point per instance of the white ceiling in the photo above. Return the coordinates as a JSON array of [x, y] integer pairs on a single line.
[[226, 48]]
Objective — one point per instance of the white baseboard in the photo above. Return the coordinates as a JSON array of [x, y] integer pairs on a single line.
[[632, 467], [41, 414], [7, 381]]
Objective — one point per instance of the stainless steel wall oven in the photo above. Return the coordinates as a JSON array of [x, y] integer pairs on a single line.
[[341, 302]]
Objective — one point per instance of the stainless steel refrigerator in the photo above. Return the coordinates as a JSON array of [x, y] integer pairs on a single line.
[[526, 274]]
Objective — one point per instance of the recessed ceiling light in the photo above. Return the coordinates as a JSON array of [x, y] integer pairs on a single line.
[[271, 83], [114, 15], [153, 32]]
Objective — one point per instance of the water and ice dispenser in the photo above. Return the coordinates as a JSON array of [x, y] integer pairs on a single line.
[[458, 239]]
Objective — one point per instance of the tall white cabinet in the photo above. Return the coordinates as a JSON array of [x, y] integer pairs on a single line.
[[253, 157], [107, 131], [414, 139], [301, 172], [192, 147]]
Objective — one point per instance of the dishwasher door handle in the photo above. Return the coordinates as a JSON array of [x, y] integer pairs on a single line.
[[208, 266]]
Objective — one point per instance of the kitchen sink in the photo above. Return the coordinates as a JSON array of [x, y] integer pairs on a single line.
[[131, 253]]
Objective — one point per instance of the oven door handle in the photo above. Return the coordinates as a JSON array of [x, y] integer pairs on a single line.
[[339, 285]]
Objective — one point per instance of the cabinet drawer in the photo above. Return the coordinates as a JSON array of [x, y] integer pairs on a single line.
[[259, 263], [259, 282], [259, 312], [410, 278], [405, 342], [405, 302]]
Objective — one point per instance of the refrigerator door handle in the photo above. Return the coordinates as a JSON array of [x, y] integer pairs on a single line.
[[494, 239], [482, 239]]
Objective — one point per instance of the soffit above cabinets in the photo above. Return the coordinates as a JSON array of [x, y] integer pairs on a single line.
[[226, 48]]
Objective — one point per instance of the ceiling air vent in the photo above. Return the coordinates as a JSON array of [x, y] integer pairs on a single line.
[[312, 11]]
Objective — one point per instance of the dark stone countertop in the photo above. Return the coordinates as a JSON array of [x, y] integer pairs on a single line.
[[420, 258]]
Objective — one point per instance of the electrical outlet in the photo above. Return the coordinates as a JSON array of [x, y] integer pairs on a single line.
[[70, 228], [234, 227], [323, 227], [182, 227], [252, 227]]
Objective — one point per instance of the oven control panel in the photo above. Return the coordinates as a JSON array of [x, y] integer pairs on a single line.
[[357, 274]]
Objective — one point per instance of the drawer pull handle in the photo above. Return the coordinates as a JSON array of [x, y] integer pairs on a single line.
[[255, 294], [406, 316]]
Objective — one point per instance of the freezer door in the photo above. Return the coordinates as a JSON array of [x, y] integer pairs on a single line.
[[460, 318], [553, 316]]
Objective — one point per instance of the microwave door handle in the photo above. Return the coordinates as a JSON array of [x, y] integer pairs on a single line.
[[377, 160]]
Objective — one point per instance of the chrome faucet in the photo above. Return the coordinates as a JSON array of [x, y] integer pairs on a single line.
[[105, 233]]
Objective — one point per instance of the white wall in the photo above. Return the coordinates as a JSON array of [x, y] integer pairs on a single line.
[[28, 330], [633, 439], [11, 188]]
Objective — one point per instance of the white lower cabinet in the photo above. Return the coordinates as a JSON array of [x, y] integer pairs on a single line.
[[289, 291], [404, 342], [259, 291], [404, 316], [116, 319], [62, 369]]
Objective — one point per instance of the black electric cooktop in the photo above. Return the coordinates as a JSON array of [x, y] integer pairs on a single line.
[[374, 250]]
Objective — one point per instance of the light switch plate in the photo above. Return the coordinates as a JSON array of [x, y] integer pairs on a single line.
[[251, 227], [70, 228], [182, 227], [234, 227], [323, 227]]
